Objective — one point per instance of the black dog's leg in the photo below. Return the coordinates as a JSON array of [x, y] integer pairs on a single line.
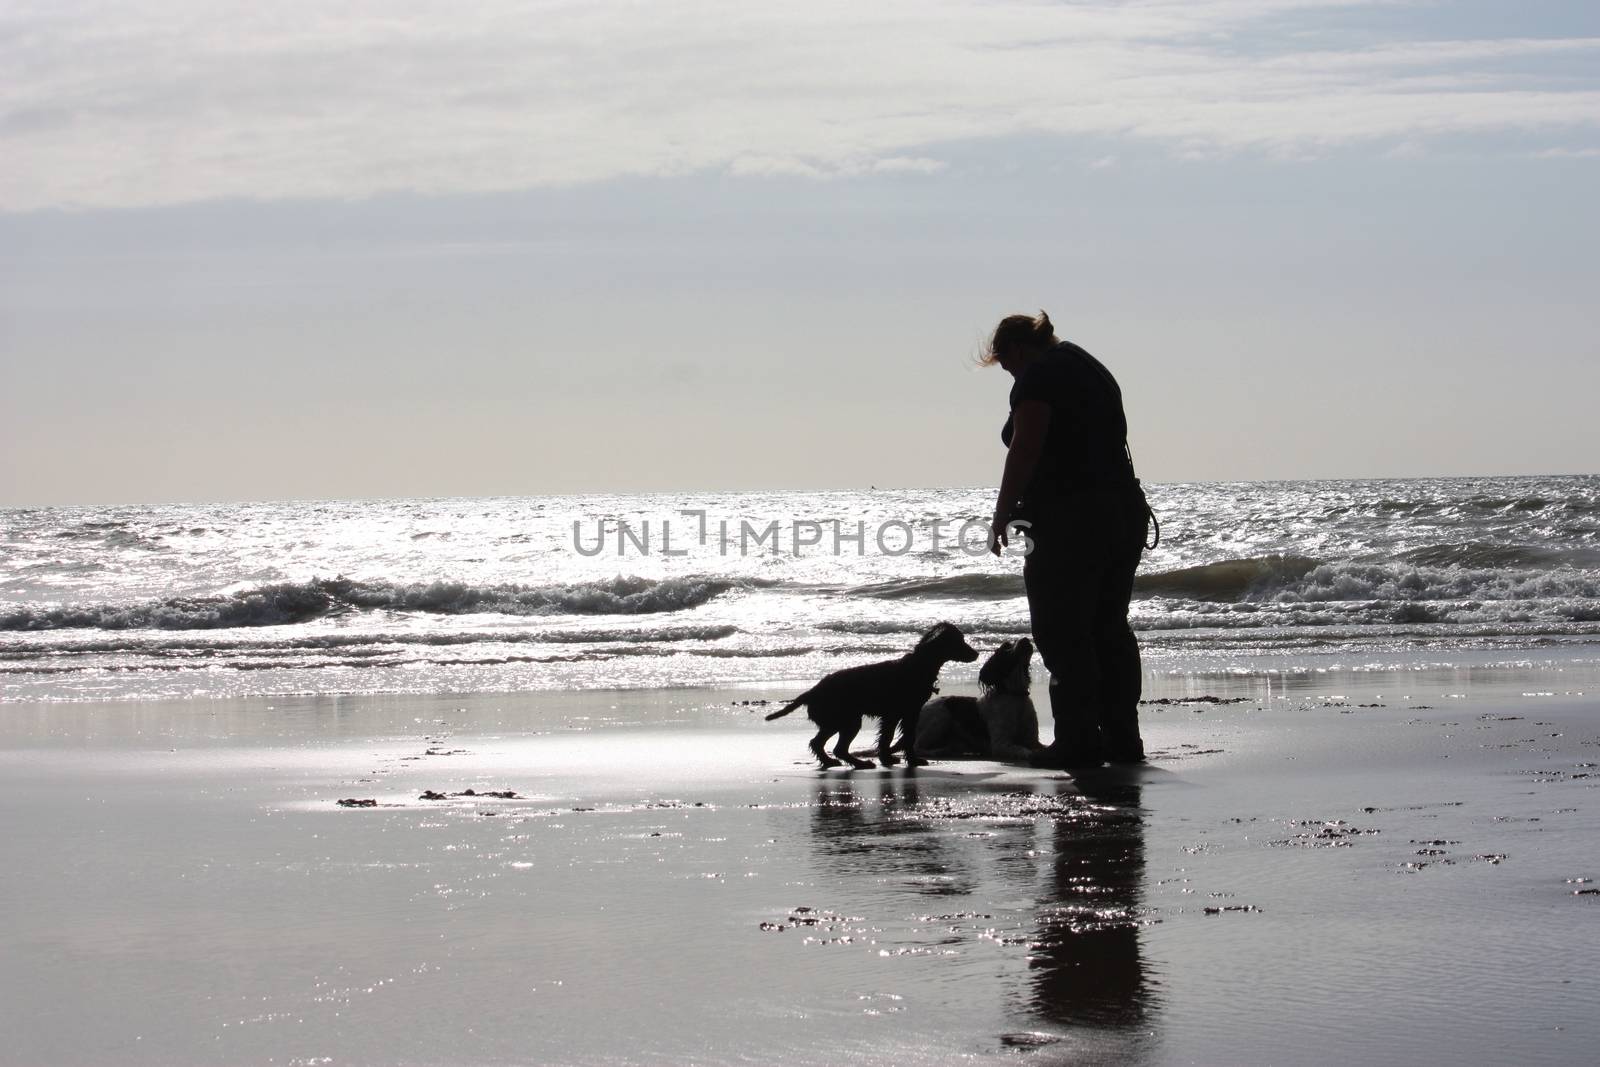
[[847, 734], [908, 732], [818, 749], [886, 728]]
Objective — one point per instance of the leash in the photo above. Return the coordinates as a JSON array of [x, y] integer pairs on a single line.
[[1151, 544]]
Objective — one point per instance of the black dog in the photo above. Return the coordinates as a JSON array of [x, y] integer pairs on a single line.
[[893, 691]]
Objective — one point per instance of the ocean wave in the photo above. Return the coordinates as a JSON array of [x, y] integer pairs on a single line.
[[1347, 581], [782, 652], [111, 535], [1579, 502], [874, 626], [304, 665], [288, 603], [1499, 616], [885, 627], [1231, 579], [1500, 504], [966, 586], [1446, 571], [1480, 555], [209, 643], [1511, 575], [1373, 635]]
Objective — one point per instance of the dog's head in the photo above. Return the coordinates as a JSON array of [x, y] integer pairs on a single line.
[[1006, 669], [946, 642]]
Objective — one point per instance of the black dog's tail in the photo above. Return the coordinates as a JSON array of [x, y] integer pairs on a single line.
[[787, 708]]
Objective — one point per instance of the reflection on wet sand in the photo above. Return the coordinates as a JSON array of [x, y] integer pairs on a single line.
[[1052, 872], [1086, 965]]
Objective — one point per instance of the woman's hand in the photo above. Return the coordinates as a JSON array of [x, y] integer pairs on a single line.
[[1029, 424], [998, 538]]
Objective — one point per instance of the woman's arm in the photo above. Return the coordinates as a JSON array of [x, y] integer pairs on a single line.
[[1029, 424]]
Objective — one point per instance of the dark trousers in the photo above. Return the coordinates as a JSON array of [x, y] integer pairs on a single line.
[[1079, 578]]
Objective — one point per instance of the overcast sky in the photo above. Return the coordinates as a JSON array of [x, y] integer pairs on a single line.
[[389, 247]]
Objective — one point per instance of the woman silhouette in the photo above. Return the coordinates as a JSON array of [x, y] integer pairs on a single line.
[[1069, 473]]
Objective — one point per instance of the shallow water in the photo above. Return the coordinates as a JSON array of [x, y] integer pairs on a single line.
[[1288, 882]]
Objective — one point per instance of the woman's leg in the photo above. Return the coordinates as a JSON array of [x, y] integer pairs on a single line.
[[1064, 583], [1121, 672]]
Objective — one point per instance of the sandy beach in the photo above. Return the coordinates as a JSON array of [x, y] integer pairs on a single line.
[[1386, 867]]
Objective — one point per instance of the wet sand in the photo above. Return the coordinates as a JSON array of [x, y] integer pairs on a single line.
[[1384, 868]]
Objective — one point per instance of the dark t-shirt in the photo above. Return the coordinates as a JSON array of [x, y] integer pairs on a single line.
[[1086, 444]]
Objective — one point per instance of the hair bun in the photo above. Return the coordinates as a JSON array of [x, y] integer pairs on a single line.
[[1019, 332]]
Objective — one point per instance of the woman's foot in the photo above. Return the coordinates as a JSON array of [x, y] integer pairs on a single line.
[[1125, 749], [1064, 757]]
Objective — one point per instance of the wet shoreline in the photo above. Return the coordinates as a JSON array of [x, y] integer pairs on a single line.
[[1333, 876]]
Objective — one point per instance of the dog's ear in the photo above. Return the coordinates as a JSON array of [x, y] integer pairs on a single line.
[[997, 666], [939, 631]]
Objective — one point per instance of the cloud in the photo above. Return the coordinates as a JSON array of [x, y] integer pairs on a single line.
[[132, 103], [908, 165], [793, 166]]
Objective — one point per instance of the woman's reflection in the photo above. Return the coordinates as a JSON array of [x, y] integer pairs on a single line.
[[1085, 961], [1057, 866]]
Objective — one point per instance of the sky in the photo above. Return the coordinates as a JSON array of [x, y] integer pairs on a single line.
[[398, 248]]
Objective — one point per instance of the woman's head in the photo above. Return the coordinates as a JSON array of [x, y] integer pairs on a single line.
[[1019, 335]]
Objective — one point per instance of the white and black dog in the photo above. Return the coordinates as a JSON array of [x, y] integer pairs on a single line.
[[999, 724]]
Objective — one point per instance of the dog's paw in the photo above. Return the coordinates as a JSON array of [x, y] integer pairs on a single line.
[[916, 761], [862, 764]]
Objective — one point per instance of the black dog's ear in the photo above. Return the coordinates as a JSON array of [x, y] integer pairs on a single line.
[[939, 631]]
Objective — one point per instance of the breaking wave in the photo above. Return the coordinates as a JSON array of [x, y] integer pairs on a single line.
[[1232, 579], [1299, 580], [287, 603], [1398, 582], [1433, 573]]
